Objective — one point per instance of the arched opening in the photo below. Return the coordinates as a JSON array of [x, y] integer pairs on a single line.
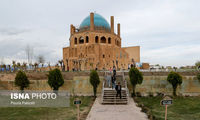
[[103, 39], [103, 56], [75, 40], [109, 40], [96, 39], [87, 39], [118, 43], [81, 40]]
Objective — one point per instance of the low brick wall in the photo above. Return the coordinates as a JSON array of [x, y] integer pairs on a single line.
[[78, 83]]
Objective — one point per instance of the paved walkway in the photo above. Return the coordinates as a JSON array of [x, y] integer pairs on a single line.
[[116, 112]]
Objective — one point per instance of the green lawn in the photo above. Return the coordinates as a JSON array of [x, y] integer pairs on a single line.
[[183, 108], [68, 113]]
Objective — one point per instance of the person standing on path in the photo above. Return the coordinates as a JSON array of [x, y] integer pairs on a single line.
[[113, 82], [114, 71], [108, 79], [110, 70], [118, 89]]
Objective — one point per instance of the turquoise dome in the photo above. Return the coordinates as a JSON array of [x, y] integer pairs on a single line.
[[99, 21]]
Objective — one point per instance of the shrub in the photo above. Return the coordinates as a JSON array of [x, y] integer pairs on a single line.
[[175, 79], [21, 80], [138, 94], [136, 77], [150, 94], [94, 81], [55, 79], [160, 94]]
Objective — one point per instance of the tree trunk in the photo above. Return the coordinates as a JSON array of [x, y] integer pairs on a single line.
[[133, 94], [174, 91], [22, 89], [55, 90], [95, 91]]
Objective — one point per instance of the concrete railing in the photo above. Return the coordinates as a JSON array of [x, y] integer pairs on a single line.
[[126, 88], [102, 91]]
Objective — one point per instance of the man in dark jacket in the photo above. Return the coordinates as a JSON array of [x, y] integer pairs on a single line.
[[118, 89], [113, 82]]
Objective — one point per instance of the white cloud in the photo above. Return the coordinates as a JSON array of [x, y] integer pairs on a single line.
[[167, 31]]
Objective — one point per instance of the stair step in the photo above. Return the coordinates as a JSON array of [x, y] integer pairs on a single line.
[[109, 95], [113, 95], [115, 99], [114, 102], [113, 91]]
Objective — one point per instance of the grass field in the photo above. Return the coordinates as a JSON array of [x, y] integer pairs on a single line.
[[68, 113], [183, 108]]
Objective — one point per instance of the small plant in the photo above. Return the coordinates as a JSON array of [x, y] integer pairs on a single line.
[[55, 79], [150, 94], [136, 77], [94, 81], [21, 80], [175, 79]]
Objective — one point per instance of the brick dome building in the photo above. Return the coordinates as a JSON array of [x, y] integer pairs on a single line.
[[95, 45]]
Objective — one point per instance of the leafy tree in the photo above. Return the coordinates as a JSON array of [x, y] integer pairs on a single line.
[[94, 81], [198, 76], [21, 80], [175, 79], [197, 64], [55, 79], [136, 77]]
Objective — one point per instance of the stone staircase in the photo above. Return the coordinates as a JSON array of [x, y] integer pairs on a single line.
[[109, 94], [109, 97]]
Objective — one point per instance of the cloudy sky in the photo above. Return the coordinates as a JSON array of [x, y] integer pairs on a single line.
[[168, 31]]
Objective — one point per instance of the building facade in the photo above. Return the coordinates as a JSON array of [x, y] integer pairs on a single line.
[[95, 45]]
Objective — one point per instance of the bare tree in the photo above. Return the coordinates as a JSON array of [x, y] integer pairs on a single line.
[[24, 65], [61, 64], [49, 65], [18, 65], [35, 65], [14, 65], [41, 60], [4, 66], [29, 53]]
